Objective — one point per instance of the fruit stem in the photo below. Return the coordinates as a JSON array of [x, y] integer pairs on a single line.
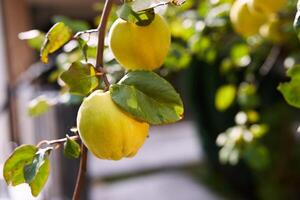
[[101, 36], [99, 67]]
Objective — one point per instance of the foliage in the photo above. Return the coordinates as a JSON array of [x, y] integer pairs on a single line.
[[203, 32], [141, 94]]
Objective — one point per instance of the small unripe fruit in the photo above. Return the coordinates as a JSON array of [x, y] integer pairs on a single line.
[[140, 47], [107, 131]]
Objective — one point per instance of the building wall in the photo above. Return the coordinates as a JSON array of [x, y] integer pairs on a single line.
[[5, 145]]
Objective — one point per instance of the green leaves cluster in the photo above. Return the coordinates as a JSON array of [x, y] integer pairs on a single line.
[[28, 164]]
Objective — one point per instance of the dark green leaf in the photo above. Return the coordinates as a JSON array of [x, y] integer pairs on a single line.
[[71, 148], [148, 97], [57, 36], [225, 96], [32, 169], [13, 167], [41, 178], [81, 78], [38, 106]]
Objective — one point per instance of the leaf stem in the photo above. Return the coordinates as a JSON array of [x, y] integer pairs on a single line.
[[99, 66]]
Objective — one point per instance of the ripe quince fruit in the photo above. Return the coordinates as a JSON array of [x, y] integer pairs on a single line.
[[140, 47], [244, 21], [267, 6], [107, 131]]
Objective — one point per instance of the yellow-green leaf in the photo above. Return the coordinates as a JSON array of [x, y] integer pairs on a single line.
[[13, 167], [225, 97], [38, 106], [57, 36]]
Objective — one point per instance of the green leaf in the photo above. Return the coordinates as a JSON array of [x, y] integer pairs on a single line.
[[81, 78], [75, 25], [41, 178], [34, 38], [84, 48], [291, 92], [140, 5], [294, 72], [225, 96], [57, 36], [141, 18], [125, 12], [148, 97], [13, 167], [32, 169], [38, 106], [71, 148]]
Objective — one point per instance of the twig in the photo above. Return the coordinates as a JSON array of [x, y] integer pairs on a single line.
[[81, 173], [99, 66], [57, 141], [270, 61], [101, 36], [85, 32]]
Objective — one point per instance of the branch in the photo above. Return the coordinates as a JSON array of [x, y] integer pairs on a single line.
[[270, 61], [81, 173], [99, 66], [101, 36]]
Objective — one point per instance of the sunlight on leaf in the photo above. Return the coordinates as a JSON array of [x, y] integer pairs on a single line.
[[57, 36]]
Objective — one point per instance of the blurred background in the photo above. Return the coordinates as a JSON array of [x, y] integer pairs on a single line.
[[238, 139]]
